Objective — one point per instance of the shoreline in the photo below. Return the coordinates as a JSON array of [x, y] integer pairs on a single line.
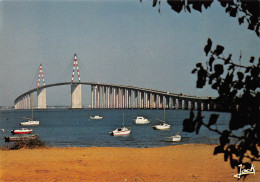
[[186, 162]]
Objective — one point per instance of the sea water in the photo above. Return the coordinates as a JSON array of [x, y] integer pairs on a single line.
[[72, 127]]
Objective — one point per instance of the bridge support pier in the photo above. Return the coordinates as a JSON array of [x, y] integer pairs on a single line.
[[179, 104], [41, 98], [186, 104], [76, 96], [192, 105]]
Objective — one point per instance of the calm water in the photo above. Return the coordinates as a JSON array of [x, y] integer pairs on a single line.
[[65, 127]]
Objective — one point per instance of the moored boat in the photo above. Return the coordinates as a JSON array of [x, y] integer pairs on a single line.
[[141, 120], [120, 131], [96, 117], [30, 122], [174, 138], [20, 138], [161, 126], [22, 131]]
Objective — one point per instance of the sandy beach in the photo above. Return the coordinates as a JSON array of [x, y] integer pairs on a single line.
[[189, 162]]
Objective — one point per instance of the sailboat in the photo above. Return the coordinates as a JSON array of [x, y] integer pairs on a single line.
[[162, 125], [121, 131], [30, 120]]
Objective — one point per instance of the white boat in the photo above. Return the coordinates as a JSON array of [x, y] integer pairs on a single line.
[[120, 131], [30, 122], [141, 120], [174, 138], [95, 117], [162, 125]]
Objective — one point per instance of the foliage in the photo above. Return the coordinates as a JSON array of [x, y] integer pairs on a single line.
[[238, 88], [237, 85], [244, 10], [28, 144]]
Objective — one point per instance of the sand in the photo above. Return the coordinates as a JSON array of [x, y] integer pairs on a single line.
[[181, 163]]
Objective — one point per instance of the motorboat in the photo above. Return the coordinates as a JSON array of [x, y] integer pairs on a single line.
[[96, 117], [22, 131], [120, 131], [30, 122], [20, 138], [141, 120], [174, 138], [161, 126]]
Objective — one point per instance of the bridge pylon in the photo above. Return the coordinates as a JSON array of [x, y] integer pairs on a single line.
[[75, 88], [41, 92]]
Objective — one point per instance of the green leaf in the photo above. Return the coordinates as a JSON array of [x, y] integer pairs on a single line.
[[231, 67], [213, 119], [226, 155], [176, 5], [197, 5], [154, 3], [211, 60], [241, 20], [188, 8], [219, 50], [198, 65], [194, 71], [252, 59], [199, 124], [247, 70], [207, 3], [233, 12], [218, 69], [219, 149], [208, 46], [240, 75], [228, 59], [188, 125]]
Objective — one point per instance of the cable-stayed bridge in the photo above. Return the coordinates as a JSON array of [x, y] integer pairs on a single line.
[[111, 96]]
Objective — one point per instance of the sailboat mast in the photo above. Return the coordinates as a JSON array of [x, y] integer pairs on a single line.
[[32, 105], [164, 113], [123, 119]]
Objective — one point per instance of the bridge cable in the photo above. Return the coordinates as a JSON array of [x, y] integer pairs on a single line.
[[34, 80]]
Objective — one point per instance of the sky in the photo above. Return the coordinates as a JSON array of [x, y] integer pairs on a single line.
[[118, 42]]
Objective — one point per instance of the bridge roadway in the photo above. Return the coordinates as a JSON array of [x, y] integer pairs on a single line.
[[105, 95]]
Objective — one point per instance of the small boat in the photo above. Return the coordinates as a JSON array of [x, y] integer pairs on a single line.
[[22, 131], [174, 138], [20, 138], [96, 117], [30, 122], [120, 131], [161, 126], [141, 120]]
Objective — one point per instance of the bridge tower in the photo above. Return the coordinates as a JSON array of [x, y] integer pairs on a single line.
[[75, 88], [41, 92]]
